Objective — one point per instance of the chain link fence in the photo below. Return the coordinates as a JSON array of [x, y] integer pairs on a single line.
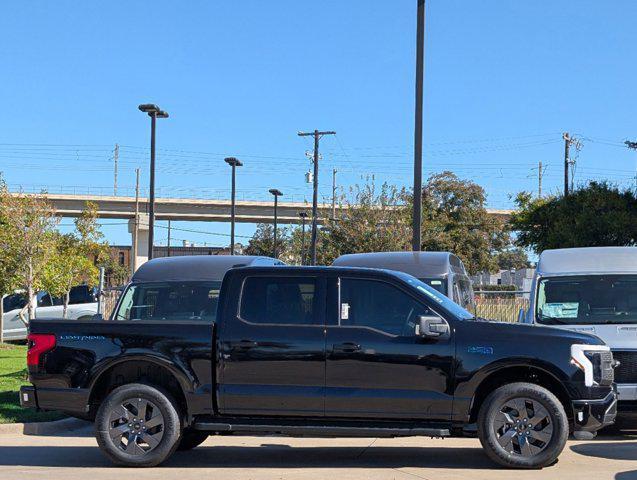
[[501, 305], [110, 297]]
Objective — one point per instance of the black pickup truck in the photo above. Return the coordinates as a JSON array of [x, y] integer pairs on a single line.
[[313, 351]]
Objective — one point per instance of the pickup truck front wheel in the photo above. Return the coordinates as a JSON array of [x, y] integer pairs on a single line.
[[138, 426], [522, 425]]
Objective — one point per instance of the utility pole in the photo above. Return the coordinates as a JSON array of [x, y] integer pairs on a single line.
[[168, 242], [317, 136], [540, 173], [568, 163], [420, 57], [115, 159], [567, 146], [632, 146], [136, 230], [303, 216], [334, 193]]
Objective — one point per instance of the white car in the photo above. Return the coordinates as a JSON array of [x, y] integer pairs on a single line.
[[82, 306]]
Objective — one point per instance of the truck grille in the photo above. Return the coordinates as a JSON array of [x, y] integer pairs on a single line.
[[626, 372]]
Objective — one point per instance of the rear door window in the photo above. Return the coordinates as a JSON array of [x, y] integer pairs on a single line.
[[278, 300]]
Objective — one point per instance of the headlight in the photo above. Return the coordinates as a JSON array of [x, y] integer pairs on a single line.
[[596, 361]]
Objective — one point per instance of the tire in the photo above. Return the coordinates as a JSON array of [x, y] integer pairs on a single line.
[[529, 436], [138, 425], [191, 439]]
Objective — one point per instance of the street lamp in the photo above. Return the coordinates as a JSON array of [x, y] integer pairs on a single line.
[[277, 194], [303, 216], [154, 112], [234, 163]]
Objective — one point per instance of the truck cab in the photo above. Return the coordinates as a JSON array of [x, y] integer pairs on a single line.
[[593, 290], [314, 351]]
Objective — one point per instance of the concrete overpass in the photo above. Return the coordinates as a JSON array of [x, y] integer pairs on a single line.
[[187, 209]]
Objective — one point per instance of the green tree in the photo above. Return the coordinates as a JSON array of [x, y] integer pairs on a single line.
[[76, 257], [8, 260], [262, 242], [455, 219], [28, 226], [369, 219], [598, 214], [512, 258]]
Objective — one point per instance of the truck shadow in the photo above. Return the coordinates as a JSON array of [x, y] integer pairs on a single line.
[[266, 456], [608, 450]]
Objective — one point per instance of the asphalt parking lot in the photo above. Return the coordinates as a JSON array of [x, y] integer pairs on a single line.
[[76, 456]]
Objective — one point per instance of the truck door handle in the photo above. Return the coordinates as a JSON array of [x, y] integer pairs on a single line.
[[244, 344], [347, 347]]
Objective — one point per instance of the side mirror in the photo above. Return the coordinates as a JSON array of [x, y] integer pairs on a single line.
[[431, 326]]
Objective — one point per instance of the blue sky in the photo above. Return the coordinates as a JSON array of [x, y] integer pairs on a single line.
[[503, 80]]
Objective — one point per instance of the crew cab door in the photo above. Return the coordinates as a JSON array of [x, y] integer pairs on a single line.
[[272, 346], [376, 364]]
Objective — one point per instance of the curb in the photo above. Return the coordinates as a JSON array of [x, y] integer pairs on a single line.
[[44, 428]]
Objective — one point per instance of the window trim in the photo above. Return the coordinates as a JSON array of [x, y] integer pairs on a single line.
[[316, 317], [379, 280]]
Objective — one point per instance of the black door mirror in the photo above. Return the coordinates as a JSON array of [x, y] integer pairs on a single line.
[[431, 326]]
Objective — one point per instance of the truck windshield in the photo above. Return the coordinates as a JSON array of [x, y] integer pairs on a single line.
[[591, 299], [436, 283], [170, 301], [441, 300]]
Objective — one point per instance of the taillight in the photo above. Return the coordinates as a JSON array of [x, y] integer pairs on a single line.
[[39, 343]]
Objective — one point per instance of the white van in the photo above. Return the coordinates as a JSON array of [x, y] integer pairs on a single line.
[[82, 306], [593, 290]]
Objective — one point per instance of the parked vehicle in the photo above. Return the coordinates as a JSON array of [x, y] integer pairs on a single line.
[[593, 290], [313, 351], [442, 271], [82, 305]]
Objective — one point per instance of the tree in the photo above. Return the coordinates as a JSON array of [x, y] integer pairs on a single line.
[[262, 242], [455, 219], [512, 258], [369, 219], [76, 257], [597, 214], [8, 259], [29, 221], [67, 267]]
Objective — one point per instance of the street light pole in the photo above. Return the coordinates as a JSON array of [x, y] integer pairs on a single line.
[[420, 54], [234, 163], [317, 136], [303, 216], [154, 112], [277, 194]]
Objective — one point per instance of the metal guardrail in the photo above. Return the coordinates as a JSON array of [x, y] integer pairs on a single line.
[[502, 305]]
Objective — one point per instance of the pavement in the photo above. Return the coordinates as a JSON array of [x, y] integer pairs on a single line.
[[71, 455]]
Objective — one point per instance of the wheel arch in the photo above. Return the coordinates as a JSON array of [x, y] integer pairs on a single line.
[[523, 372], [140, 369]]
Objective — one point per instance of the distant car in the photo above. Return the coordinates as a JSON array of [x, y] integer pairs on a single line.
[[442, 271], [82, 306]]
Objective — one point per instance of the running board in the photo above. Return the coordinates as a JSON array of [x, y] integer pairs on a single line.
[[320, 431]]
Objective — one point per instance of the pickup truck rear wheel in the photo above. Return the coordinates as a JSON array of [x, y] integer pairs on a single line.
[[138, 425], [522, 425]]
